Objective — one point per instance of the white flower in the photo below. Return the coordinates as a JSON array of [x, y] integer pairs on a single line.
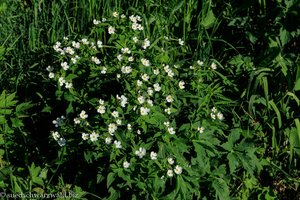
[[61, 81], [96, 22], [171, 161], [55, 135], [74, 60], [103, 71], [213, 66], [167, 124], [115, 14], [103, 19], [139, 83], [117, 144], [212, 115], [76, 120], [130, 59], [170, 73], [181, 84], [65, 65], [201, 129], [170, 173], [126, 70], [94, 136], [101, 109], [125, 50], [69, 50], [112, 128], [156, 71], [141, 152], [99, 44], [146, 43], [129, 127], [119, 57], [133, 18], [153, 155], [135, 39], [123, 16], [166, 68], [181, 42], [85, 41], [49, 69], [150, 91], [115, 114], [83, 115], [141, 99], [69, 85], [144, 110], [126, 164], [220, 116], [101, 102], [119, 122], [145, 62], [214, 110], [56, 47], [201, 63], [171, 130], [123, 100], [150, 102], [111, 30], [75, 44], [96, 60], [138, 132], [85, 136], [140, 27], [169, 99], [157, 87], [66, 38], [51, 75], [168, 111], [178, 169], [61, 142], [108, 140], [134, 26], [145, 77]]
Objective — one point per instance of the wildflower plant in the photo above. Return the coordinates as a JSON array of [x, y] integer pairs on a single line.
[[156, 118]]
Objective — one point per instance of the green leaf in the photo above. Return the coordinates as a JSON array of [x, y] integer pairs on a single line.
[[110, 178], [284, 37], [221, 188], [114, 195], [209, 20], [233, 162], [297, 85], [294, 137], [2, 152], [277, 113]]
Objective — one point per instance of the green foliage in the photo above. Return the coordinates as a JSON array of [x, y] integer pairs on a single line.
[[235, 119]]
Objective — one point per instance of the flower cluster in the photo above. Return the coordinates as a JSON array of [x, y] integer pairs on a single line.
[[135, 121], [216, 114]]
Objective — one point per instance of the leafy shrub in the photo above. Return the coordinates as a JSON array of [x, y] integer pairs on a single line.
[[155, 126]]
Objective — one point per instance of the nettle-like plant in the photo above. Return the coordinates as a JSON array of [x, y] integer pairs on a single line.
[[147, 119]]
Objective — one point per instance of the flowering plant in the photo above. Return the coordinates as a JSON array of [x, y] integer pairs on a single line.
[[154, 117]]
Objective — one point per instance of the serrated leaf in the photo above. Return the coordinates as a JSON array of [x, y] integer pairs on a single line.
[[233, 162], [221, 188]]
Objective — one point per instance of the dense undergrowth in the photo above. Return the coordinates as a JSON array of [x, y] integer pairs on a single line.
[[160, 100]]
